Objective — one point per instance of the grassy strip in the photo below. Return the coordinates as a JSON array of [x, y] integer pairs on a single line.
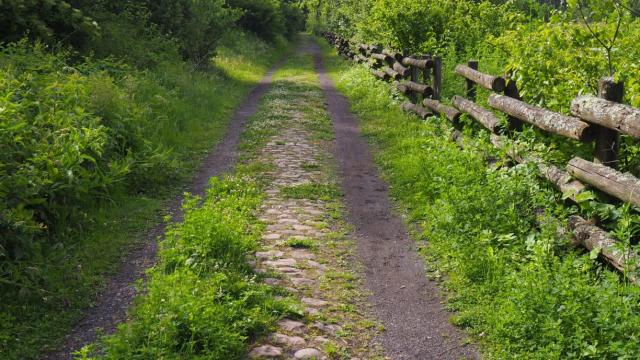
[[203, 300], [189, 117], [519, 287]]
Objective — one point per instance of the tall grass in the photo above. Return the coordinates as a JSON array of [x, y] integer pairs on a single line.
[[489, 234], [92, 149]]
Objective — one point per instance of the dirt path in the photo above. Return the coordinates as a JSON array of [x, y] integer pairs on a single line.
[[111, 306], [409, 305]]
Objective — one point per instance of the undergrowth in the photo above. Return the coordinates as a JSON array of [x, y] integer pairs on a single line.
[[490, 234], [91, 146], [203, 300]]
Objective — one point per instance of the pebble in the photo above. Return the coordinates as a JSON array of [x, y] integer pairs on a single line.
[[308, 353], [286, 340], [291, 325], [265, 351]]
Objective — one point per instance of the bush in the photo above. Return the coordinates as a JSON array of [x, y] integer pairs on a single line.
[[49, 20], [269, 18], [202, 300]]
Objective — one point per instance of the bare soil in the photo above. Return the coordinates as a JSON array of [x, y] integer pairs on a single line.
[[111, 306], [404, 300]]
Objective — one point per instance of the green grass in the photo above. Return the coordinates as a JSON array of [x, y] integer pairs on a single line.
[[302, 243], [311, 192], [191, 118], [519, 287], [203, 299]]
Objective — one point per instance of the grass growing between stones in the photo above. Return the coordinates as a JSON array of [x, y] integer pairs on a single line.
[[525, 292], [293, 116], [311, 191]]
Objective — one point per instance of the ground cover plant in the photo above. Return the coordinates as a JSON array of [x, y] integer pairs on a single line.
[[490, 234], [203, 299]]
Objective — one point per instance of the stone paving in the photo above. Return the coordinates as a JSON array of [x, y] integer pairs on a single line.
[[305, 252]]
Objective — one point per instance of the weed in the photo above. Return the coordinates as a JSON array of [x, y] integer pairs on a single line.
[[302, 243]]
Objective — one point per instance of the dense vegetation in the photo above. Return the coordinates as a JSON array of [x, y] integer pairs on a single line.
[[490, 234], [517, 284], [106, 106]]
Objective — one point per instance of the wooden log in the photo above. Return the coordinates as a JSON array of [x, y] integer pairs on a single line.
[[418, 88], [489, 82], [450, 113], [470, 86], [482, 115], [401, 87], [403, 71], [547, 120], [381, 57], [623, 186], [619, 117], [419, 63], [393, 54], [558, 177], [380, 74], [416, 109], [592, 237], [392, 73], [437, 77]]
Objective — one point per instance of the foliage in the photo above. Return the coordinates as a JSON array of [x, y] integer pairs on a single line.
[[514, 282], [45, 19], [269, 18], [202, 299], [127, 137]]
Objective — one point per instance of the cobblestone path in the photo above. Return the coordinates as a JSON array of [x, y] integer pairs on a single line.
[[305, 249]]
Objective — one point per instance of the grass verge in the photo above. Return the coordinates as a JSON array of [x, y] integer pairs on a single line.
[[189, 117], [519, 287]]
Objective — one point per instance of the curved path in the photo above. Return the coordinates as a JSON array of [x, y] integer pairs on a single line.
[[403, 299], [111, 306]]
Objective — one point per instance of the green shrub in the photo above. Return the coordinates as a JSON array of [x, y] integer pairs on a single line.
[[48, 20], [517, 285], [202, 299]]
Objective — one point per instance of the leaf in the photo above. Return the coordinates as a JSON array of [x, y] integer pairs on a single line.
[[593, 254]]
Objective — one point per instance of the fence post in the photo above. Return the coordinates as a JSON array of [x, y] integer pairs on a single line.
[[511, 90], [471, 86], [437, 77], [414, 77], [607, 140]]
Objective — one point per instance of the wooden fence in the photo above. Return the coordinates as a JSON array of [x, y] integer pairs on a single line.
[[600, 119]]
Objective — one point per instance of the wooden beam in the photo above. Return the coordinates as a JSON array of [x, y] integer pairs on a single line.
[[489, 82], [547, 120], [416, 109], [450, 113], [592, 237], [482, 115], [380, 74], [623, 186], [419, 63], [613, 115], [392, 73], [403, 71], [418, 88]]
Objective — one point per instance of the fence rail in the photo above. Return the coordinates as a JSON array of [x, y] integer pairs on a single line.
[[598, 119]]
